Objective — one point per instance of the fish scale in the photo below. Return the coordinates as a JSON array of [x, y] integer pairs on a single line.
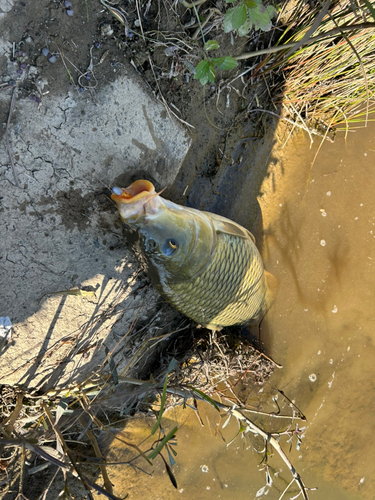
[[210, 299]]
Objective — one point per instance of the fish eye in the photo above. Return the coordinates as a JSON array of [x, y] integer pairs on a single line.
[[170, 246]]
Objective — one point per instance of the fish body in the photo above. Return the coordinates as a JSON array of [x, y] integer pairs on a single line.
[[205, 265]]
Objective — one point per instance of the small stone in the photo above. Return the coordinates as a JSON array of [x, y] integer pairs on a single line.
[[107, 30]]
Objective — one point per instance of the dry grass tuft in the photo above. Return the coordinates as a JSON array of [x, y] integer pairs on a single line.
[[330, 83]]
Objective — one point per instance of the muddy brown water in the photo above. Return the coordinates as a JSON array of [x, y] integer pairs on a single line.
[[319, 226]]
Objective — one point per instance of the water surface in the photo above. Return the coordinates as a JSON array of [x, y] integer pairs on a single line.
[[319, 226]]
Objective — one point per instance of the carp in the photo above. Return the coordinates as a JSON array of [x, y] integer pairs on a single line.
[[206, 266]]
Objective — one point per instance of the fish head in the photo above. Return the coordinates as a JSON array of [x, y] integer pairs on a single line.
[[174, 241]]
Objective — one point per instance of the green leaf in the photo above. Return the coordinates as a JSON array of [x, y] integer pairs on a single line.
[[203, 396], [204, 80], [160, 446], [261, 16], [226, 62], [172, 461], [245, 28], [230, 1], [211, 45], [234, 18], [217, 61], [202, 70], [171, 475]]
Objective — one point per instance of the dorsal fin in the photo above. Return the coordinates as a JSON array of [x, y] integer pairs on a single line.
[[224, 225]]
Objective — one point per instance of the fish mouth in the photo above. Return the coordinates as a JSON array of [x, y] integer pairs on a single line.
[[136, 191]]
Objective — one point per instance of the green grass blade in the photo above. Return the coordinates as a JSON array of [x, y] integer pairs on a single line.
[[172, 364], [204, 396], [162, 443]]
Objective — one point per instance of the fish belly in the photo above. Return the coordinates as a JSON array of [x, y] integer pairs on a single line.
[[231, 290]]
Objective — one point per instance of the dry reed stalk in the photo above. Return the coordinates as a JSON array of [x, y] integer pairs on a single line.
[[335, 74]]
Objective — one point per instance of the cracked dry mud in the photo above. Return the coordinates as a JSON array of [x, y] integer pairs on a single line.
[[59, 228]]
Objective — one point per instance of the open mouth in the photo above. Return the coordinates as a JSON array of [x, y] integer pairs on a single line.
[[139, 189]]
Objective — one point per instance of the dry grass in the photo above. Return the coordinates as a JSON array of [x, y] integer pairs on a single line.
[[58, 430], [331, 83]]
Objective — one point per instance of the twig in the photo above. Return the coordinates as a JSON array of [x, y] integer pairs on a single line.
[[188, 5], [315, 132], [139, 17], [321, 143], [301, 415], [255, 429], [9, 149], [22, 472], [85, 405], [271, 360], [94, 442], [13, 417], [302, 120], [168, 109], [66, 449], [55, 461]]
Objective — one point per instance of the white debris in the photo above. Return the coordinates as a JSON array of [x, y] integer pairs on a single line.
[[6, 328]]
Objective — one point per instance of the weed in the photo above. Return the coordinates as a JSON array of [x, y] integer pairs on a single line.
[[206, 69], [248, 15]]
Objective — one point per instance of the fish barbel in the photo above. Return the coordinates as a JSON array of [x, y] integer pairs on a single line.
[[205, 265]]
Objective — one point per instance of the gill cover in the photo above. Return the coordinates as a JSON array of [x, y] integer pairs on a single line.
[[176, 243]]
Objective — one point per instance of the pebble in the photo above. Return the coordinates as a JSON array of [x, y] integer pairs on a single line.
[[50, 57]]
